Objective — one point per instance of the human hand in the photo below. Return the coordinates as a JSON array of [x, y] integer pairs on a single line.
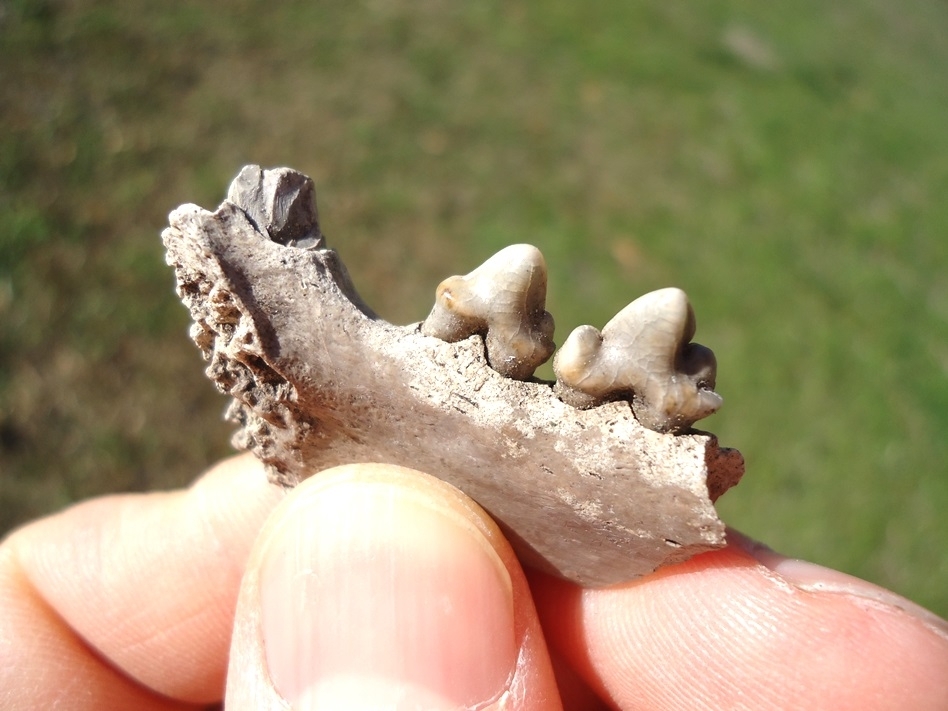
[[374, 587]]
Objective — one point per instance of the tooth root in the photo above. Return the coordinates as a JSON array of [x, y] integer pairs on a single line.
[[504, 300], [643, 354]]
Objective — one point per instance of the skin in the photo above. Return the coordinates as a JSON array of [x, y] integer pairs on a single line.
[[378, 587]]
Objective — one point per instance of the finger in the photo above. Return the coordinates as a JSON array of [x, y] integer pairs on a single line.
[[575, 693], [45, 665], [373, 586], [144, 584], [724, 630]]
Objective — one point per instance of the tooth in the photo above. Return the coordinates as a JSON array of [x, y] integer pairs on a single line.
[[504, 300], [644, 354], [281, 203]]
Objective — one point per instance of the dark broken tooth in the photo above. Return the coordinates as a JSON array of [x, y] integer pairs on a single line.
[[643, 353], [504, 300], [281, 203]]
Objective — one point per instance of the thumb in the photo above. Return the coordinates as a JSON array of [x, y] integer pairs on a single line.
[[375, 586]]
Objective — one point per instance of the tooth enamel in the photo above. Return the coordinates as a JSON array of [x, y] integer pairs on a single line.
[[504, 300], [643, 354]]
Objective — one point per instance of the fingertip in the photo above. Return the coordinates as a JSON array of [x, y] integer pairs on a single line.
[[137, 575], [810, 577], [44, 663], [724, 631], [389, 576]]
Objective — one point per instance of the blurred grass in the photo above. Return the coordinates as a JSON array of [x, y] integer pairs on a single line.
[[786, 164]]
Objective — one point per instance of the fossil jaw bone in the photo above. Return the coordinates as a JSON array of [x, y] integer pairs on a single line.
[[644, 354], [503, 300], [317, 379]]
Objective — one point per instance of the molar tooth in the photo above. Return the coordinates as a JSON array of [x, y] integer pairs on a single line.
[[504, 300], [644, 353]]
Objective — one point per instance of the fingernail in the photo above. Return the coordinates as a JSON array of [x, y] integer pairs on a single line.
[[816, 578], [373, 595]]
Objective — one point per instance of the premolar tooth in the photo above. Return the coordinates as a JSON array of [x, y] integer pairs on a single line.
[[504, 300], [644, 353]]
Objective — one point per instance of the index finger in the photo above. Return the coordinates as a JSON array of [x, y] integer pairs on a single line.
[[724, 630], [124, 579]]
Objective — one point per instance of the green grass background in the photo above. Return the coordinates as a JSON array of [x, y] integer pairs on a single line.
[[786, 164]]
